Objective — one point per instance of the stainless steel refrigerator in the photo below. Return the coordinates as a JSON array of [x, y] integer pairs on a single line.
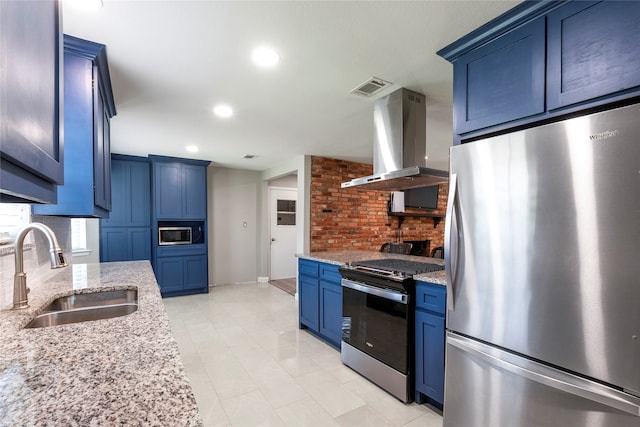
[[542, 250]]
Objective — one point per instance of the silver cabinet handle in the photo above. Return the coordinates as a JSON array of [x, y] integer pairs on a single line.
[[449, 224], [554, 378], [382, 293]]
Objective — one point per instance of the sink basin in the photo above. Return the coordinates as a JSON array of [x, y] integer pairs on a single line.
[[86, 307]]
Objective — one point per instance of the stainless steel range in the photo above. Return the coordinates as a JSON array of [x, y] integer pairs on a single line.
[[378, 305]]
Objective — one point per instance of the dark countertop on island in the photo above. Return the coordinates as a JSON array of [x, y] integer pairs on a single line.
[[120, 371], [344, 257]]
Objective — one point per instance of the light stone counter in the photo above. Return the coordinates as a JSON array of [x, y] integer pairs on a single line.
[[121, 371], [342, 258]]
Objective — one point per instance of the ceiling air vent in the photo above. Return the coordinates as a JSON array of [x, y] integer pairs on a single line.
[[370, 87]]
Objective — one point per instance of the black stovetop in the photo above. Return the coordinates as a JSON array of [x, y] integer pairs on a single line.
[[399, 265], [388, 273]]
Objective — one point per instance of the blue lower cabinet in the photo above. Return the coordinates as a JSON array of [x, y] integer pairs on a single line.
[[124, 244], [169, 273], [331, 311], [308, 302], [182, 275], [430, 343], [195, 271], [320, 300]]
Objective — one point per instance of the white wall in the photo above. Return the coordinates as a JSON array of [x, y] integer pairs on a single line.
[[233, 200], [288, 181]]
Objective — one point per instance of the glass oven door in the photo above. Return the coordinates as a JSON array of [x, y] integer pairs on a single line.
[[376, 322]]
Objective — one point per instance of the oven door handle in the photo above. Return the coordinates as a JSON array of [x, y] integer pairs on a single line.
[[382, 293]]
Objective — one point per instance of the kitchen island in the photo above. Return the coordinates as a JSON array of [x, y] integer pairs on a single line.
[[120, 371], [323, 313], [345, 257]]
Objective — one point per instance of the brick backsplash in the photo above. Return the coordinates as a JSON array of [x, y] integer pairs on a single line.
[[350, 219], [36, 257]]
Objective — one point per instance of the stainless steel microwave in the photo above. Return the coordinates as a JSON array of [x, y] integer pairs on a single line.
[[174, 236]]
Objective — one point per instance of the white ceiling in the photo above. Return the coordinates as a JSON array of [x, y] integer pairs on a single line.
[[172, 61]]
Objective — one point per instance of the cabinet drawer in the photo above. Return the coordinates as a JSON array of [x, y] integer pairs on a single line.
[[431, 297], [329, 272], [180, 250], [307, 268]]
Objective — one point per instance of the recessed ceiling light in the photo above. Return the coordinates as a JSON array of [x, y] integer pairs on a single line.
[[222, 110], [265, 57], [84, 5], [192, 148]]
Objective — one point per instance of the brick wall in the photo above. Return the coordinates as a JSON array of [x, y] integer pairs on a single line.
[[350, 219]]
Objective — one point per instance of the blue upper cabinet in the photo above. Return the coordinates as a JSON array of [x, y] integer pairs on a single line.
[[179, 188], [501, 81], [31, 146], [542, 60], [88, 109], [131, 188], [593, 51]]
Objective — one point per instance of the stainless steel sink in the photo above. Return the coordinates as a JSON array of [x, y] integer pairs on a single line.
[[85, 307]]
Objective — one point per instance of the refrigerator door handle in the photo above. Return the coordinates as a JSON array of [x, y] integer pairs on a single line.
[[553, 378], [448, 233]]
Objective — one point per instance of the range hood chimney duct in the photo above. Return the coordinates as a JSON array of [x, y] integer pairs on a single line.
[[399, 145]]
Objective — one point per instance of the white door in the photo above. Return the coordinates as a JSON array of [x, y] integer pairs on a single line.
[[282, 213]]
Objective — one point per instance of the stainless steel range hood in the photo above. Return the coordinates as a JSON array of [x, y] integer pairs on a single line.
[[399, 146]]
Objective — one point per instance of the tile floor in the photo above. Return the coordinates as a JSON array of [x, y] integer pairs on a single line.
[[250, 365]]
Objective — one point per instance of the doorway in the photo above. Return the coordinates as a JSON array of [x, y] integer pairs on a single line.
[[282, 233]]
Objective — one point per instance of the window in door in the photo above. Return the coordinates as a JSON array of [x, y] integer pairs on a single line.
[[286, 210]]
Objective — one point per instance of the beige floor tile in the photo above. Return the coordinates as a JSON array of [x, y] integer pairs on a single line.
[[306, 413], [394, 411], [251, 409], [363, 416], [249, 365], [430, 419]]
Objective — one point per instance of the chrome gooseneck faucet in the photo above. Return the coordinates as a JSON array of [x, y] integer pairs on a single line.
[[20, 289]]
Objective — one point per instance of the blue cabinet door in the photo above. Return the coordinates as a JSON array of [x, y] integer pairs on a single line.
[[180, 191], [194, 192], [501, 81], [139, 243], [31, 149], [167, 181], [592, 51], [114, 244], [125, 244], [331, 311], [308, 294], [430, 344], [195, 272], [308, 300], [131, 188], [170, 274]]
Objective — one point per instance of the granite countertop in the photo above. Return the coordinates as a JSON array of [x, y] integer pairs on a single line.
[[344, 257], [120, 371]]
